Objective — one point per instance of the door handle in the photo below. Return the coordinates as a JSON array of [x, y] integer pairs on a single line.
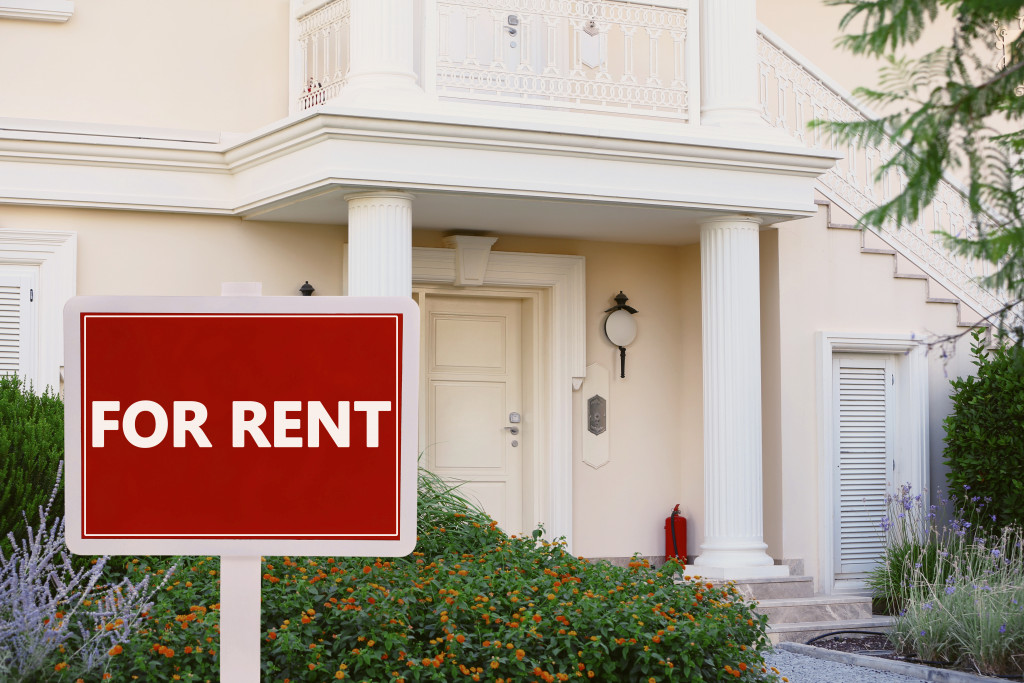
[[514, 430]]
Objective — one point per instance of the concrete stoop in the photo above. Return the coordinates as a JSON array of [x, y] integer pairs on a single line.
[[796, 614]]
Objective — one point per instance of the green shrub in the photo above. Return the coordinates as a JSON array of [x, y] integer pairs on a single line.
[[985, 433], [31, 448]]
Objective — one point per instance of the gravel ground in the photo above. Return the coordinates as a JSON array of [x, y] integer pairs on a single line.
[[804, 669]]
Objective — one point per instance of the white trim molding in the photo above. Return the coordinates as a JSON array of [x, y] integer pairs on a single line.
[[563, 278], [55, 11], [910, 435], [54, 254]]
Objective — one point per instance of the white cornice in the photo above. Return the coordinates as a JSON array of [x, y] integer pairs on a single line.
[[302, 157], [57, 11]]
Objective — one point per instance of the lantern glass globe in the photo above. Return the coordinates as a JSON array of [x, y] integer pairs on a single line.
[[620, 327]]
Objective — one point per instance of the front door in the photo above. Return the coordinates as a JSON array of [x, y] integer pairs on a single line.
[[473, 380]]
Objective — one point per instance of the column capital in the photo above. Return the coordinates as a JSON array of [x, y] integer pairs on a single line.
[[380, 194], [731, 218]]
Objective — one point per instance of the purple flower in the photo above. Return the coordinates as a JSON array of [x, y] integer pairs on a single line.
[[950, 590], [1002, 629]]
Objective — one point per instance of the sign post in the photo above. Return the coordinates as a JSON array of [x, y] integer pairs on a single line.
[[240, 427]]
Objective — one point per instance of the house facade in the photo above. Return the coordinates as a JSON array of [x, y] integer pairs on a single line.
[[513, 165]]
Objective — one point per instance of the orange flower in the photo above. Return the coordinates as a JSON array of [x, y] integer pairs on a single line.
[[271, 636], [494, 664], [520, 654], [311, 666], [188, 649], [537, 618], [743, 666], [61, 666], [116, 650], [367, 569], [460, 638]]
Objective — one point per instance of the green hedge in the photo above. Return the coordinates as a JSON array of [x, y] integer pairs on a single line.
[[31, 448], [985, 434]]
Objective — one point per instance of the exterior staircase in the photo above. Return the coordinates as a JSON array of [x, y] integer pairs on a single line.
[[902, 268], [796, 614]]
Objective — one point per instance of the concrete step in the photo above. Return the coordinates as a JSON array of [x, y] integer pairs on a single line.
[[801, 632], [775, 588], [817, 608]]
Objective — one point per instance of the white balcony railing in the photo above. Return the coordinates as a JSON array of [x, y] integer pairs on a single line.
[[620, 57], [607, 56], [792, 93], [324, 52]]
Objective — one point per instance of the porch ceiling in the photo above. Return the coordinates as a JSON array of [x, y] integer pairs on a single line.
[[537, 217]]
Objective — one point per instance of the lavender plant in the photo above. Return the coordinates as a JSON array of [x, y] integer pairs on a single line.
[[52, 611], [959, 592]]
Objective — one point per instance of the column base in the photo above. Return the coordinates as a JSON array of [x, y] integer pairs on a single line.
[[768, 571], [738, 559]]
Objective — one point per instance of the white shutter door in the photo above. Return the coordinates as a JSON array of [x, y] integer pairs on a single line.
[[17, 321], [862, 387]]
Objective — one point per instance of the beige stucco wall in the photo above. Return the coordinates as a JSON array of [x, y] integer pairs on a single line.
[[187, 64], [121, 252], [655, 429], [826, 284], [811, 27]]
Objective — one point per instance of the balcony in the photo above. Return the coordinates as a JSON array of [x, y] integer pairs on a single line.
[[632, 59]]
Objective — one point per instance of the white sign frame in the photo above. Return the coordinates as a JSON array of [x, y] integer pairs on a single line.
[[409, 395]]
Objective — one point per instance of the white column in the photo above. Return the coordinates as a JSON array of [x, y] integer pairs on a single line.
[[380, 244], [728, 37], [382, 68], [733, 545]]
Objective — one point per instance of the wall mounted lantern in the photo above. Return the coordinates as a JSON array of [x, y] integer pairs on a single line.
[[306, 289], [620, 327]]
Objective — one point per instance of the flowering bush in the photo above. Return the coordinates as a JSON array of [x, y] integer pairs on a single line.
[[959, 592], [472, 603], [475, 604]]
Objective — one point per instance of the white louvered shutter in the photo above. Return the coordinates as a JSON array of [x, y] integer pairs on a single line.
[[17, 321], [862, 399]]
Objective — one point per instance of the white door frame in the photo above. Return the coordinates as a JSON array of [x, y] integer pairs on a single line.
[[560, 362], [533, 469], [54, 254], [910, 429]]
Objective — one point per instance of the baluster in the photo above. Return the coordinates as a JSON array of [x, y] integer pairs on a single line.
[[627, 50], [326, 68], [654, 41], [577, 49], [498, 56], [679, 58], [782, 115], [444, 18], [762, 90], [602, 71], [526, 25], [869, 169], [553, 43], [472, 15]]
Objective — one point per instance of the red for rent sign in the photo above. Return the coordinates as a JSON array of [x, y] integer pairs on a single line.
[[241, 426]]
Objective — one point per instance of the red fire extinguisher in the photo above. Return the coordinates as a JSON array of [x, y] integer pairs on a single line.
[[675, 536]]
